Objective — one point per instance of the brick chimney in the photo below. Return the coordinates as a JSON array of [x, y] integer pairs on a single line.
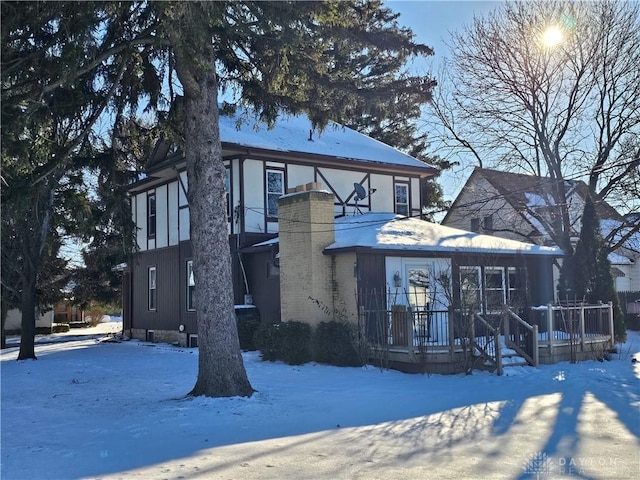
[[306, 227]]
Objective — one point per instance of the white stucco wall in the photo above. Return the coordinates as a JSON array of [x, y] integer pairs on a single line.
[[14, 320]]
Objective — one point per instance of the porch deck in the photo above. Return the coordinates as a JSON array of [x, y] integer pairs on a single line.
[[448, 341]]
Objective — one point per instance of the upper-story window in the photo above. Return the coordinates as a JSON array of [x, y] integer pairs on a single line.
[[402, 198], [227, 189], [151, 214], [275, 189], [487, 225], [475, 225]]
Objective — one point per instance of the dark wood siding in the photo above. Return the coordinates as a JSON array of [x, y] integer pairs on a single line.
[[541, 283], [167, 314], [126, 300], [245, 240], [187, 318], [371, 280], [264, 288]]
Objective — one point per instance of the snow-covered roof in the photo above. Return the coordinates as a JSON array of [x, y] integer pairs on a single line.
[[617, 259], [291, 133], [395, 232]]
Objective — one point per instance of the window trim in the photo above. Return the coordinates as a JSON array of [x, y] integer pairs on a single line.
[[406, 187], [280, 172], [151, 217], [152, 289], [515, 291], [486, 289], [227, 185], [190, 300], [478, 291]]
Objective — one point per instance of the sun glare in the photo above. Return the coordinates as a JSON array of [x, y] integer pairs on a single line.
[[552, 36]]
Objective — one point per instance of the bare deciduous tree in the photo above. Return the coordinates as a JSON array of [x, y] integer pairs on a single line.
[[564, 106]]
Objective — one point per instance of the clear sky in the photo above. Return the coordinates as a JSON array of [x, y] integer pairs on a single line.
[[432, 22]]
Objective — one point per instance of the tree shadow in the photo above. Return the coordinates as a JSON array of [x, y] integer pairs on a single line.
[[424, 430]]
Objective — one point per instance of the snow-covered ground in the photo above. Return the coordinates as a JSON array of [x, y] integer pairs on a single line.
[[92, 409]]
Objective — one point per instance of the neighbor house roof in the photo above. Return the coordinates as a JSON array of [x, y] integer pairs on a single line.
[[526, 193], [388, 231]]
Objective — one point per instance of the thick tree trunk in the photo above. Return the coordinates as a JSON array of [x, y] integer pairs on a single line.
[[28, 326], [4, 311], [39, 219], [221, 371]]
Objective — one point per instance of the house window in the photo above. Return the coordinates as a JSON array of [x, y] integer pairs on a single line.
[[153, 297], [191, 287], [488, 223], [515, 292], [275, 189], [402, 198], [470, 289], [494, 289], [193, 341], [273, 269], [227, 189], [151, 214], [475, 225]]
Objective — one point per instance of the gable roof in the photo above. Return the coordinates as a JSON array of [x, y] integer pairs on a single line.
[[293, 134], [388, 231], [525, 192]]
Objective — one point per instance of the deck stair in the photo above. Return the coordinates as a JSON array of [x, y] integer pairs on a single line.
[[499, 342], [511, 358]]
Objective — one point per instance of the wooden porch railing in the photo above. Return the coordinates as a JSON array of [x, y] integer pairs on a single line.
[[521, 337], [574, 325], [485, 338], [436, 331]]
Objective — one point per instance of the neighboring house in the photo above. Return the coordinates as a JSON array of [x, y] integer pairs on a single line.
[[62, 312], [520, 207], [262, 164], [416, 289], [13, 323]]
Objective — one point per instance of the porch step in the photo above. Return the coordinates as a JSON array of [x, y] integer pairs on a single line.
[[513, 361]]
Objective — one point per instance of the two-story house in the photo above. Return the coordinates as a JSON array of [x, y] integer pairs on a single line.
[[521, 207], [363, 175]]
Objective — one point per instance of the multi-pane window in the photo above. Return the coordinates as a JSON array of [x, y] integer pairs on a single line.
[[191, 287], [402, 198], [153, 295], [494, 289], [488, 289], [275, 189], [151, 214], [470, 289]]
